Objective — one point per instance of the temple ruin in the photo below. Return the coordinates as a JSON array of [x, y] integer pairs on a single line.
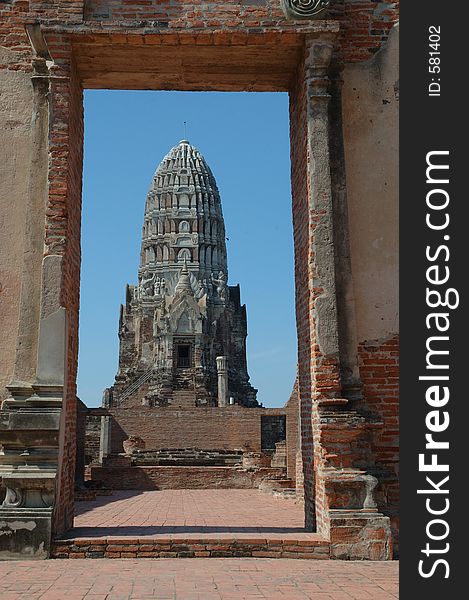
[[338, 61], [182, 329]]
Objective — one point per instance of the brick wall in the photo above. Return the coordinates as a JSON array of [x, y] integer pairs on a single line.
[[365, 25], [379, 369], [62, 237], [231, 427], [292, 408], [174, 478], [299, 162]]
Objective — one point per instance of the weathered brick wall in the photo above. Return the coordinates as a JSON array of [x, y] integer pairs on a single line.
[[178, 478], [379, 369], [273, 430], [231, 427], [63, 225], [80, 441], [365, 25], [292, 409], [300, 215], [370, 114], [92, 438]]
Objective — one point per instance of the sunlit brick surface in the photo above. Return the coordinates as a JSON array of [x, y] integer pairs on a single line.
[[193, 579], [189, 511]]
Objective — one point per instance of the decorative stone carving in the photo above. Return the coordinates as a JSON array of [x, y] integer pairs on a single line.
[[28, 490], [147, 285], [304, 9], [184, 254], [133, 443], [208, 285], [160, 288], [199, 289], [220, 284]]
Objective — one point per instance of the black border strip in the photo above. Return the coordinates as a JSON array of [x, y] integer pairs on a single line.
[[433, 123]]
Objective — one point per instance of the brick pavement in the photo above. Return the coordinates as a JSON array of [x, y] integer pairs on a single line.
[[190, 523], [198, 579], [195, 512]]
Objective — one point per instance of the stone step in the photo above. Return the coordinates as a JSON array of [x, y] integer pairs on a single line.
[[310, 546], [285, 493], [274, 485]]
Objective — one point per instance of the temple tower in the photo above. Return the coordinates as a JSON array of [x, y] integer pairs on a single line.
[[182, 329]]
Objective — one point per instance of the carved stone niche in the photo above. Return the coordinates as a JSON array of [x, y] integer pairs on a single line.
[[31, 490], [304, 9]]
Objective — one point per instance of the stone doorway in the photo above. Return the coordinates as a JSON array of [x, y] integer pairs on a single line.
[[38, 417]]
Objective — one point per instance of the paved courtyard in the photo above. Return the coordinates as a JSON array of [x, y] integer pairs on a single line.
[[198, 579], [193, 512]]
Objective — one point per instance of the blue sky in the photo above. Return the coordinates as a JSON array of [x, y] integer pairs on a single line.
[[245, 140]]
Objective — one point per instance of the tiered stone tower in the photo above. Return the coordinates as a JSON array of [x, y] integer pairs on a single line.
[[182, 330]]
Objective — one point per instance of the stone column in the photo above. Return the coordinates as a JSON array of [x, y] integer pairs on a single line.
[[344, 506], [322, 266], [222, 370], [348, 341], [105, 438]]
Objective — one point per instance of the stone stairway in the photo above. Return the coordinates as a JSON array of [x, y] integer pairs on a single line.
[[183, 398], [184, 394], [279, 486], [133, 387]]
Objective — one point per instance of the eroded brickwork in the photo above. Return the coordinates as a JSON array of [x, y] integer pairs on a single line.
[[365, 25], [63, 216], [379, 369], [292, 412], [178, 478], [299, 163]]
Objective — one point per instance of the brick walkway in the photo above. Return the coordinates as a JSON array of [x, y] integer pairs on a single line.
[[195, 512], [198, 579]]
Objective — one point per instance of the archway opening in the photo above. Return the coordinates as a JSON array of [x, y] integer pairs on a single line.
[[129, 443]]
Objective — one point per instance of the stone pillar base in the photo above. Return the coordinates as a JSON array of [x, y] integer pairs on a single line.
[[25, 533], [360, 535]]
